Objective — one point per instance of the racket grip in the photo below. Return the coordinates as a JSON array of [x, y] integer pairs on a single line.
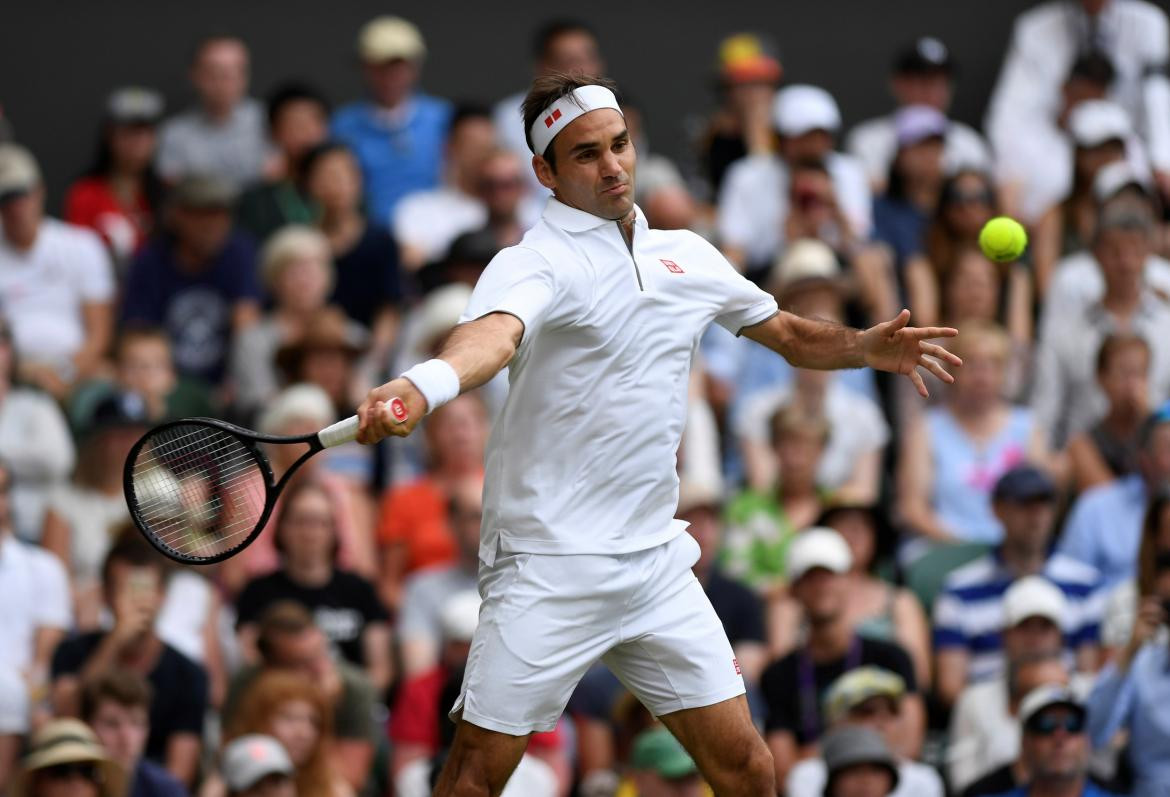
[[340, 432]]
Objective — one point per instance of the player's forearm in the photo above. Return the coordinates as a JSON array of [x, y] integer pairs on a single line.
[[480, 349], [810, 342]]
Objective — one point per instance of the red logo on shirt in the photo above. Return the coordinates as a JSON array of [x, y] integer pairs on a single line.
[[552, 117], [735, 661], [671, 266]]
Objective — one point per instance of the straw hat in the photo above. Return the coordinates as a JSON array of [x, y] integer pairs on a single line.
[[69, 741]]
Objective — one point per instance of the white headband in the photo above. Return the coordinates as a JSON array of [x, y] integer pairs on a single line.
[[557, 116]]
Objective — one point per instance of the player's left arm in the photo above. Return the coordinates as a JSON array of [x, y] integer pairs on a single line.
[[891, 346]]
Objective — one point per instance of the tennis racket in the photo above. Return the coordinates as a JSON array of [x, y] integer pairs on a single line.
[[200, 490]]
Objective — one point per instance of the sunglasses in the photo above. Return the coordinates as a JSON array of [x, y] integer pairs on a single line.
[[73, 769], [1048, 724]]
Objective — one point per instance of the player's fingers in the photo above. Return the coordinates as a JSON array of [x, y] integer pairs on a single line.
[[920, 386], [924, 333], [934, 350], [935, 367], [894, 324]]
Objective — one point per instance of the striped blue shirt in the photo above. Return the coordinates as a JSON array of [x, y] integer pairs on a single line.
[[968, 614]]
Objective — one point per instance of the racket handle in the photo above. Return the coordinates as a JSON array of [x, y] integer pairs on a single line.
[[346, 431]]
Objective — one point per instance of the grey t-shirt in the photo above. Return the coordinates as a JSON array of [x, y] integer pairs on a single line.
[[425, 593], [235, 149]]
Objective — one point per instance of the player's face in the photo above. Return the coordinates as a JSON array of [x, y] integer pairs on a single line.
[[595, 165]]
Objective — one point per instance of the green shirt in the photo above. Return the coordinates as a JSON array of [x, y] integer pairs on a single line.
[[756, 539]]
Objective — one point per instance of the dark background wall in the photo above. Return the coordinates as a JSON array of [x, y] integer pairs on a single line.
[[58, 59]]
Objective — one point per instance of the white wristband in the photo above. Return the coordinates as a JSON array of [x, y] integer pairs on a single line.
[[436, 380]]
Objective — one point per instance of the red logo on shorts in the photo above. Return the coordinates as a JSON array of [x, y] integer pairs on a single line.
[[552, 117], [735, 661], [671, 266], [398, 409]]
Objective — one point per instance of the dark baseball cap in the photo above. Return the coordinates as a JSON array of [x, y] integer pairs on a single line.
[[1024, 483], [925, 55]]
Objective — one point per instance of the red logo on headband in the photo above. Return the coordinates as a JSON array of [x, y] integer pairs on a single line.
[[552, 117]]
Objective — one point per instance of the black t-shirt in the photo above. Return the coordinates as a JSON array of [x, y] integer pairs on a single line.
[[368, 277], [794, 707], [179, 684], [739, 608], [997, 781], [341, 608]]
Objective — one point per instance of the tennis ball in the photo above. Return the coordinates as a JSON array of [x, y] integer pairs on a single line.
[[1003, 239]]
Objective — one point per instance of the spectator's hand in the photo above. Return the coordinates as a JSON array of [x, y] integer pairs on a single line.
[[46, 378], [133, 615], [899, 349], [753, 106], [376, 420], [1150, 615]]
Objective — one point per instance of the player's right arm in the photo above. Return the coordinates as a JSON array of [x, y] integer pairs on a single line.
[[476, 351]]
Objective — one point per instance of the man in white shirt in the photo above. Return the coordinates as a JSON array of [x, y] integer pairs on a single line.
[[581, 559], [56, 282], [923, 74]]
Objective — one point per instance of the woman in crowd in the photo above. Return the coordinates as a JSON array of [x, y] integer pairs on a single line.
[[345, 605], [954, 452]]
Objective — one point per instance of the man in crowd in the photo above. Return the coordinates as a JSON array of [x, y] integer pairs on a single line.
[[225, 134], [923, 74], [859, 763], [56, 282], [116, 704], [973, 605], [398, 135], [505, 194], [818, 560], [199, 282], [132, 585]]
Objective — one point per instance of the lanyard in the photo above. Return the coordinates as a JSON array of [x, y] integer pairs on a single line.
[[810, 715]]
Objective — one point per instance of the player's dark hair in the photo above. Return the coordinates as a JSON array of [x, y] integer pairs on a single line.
[[286, 94], [553, 29], [127, 689], [546, 90], [1115, 344]]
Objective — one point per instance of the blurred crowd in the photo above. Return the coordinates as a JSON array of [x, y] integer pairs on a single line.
[[966, 596]]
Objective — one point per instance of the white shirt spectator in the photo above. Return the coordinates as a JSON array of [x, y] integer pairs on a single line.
[[807, 779], [429, 221], [92, 517], [43, 289], [874, 143], [235, 149], [34, 592], [753, 202], [1077, 283], [36, 444], [510, 133]]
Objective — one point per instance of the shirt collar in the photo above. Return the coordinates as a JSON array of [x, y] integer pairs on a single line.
[[570, 219]]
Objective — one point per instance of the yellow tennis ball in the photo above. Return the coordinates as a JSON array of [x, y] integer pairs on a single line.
[[1003, 239]]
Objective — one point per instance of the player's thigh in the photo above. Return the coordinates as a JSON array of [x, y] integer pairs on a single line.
[[720, 737], [480, 758]]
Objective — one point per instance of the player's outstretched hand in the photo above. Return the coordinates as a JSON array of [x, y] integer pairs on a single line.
[[901, 349], [376, 415]]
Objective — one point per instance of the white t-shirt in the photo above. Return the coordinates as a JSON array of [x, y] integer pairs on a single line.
[[43, 289], [34, 592], [430, 220], [875, 144], [753, 202], [1077, 283], [582, 456], [36, 443]]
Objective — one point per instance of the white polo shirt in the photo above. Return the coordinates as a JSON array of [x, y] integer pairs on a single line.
[[582, 457]]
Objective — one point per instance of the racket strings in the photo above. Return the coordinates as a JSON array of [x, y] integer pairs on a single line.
[[198, 490]]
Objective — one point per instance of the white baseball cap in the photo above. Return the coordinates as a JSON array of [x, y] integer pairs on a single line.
[[1046, 696], [1094, 122], [249, 759], [802, 108], [390, 38], [1114, 177], [440, 312], [460, 616], [804, 260], [19, 172], [818, 547], [1033, 596], [695, 493]]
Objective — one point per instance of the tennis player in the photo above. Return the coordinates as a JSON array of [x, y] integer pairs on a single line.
[[597, 318]]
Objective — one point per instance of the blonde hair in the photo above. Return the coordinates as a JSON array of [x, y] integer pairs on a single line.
[[974, 333], [290, 243]]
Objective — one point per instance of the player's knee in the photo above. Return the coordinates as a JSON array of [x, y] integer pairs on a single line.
[[755, 772]]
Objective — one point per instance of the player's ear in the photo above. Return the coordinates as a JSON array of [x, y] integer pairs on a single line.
[[544, 172]]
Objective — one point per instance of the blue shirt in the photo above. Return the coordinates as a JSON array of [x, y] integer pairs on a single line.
[[901, 225], [1089, 791], [1105, 526], [1138, 701], [399, 152], [968, 613], [151, 780], [195, 307]]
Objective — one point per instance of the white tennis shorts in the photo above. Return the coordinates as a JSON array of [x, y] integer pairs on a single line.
[[546, 619]]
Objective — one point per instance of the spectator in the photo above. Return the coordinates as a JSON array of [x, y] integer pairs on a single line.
[[293, 710], [132, 584], [144, 367], [748, 73], [413, 524], [344, 605], [327, 353], [753, 204], [289, 641], [34, 591], [367, 282], [762, 525], [973, 605], [660, 189], [502, 189], [426, 590], [559, 45], [1109, 449], [34, 442], [119, 195], [956, 452], [425, 222], [923, 75], [818, 564], [882, 610], [867, 697], [224, 135], [1131, 693], [662, 768], [858, 763], [298, 121], [65, 758], [297, 270], [198, 281], [117, 706], [738, 608], [1054, 745], [1104, 527], [257, 766], [56, 282], [398, 135]]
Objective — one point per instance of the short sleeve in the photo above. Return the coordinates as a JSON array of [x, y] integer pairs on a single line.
[[735, 220], [519, 282], [95, 272], [69, 657], [744, 302], [948, 623], [418, 620], [368, 603], [52, 604]]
